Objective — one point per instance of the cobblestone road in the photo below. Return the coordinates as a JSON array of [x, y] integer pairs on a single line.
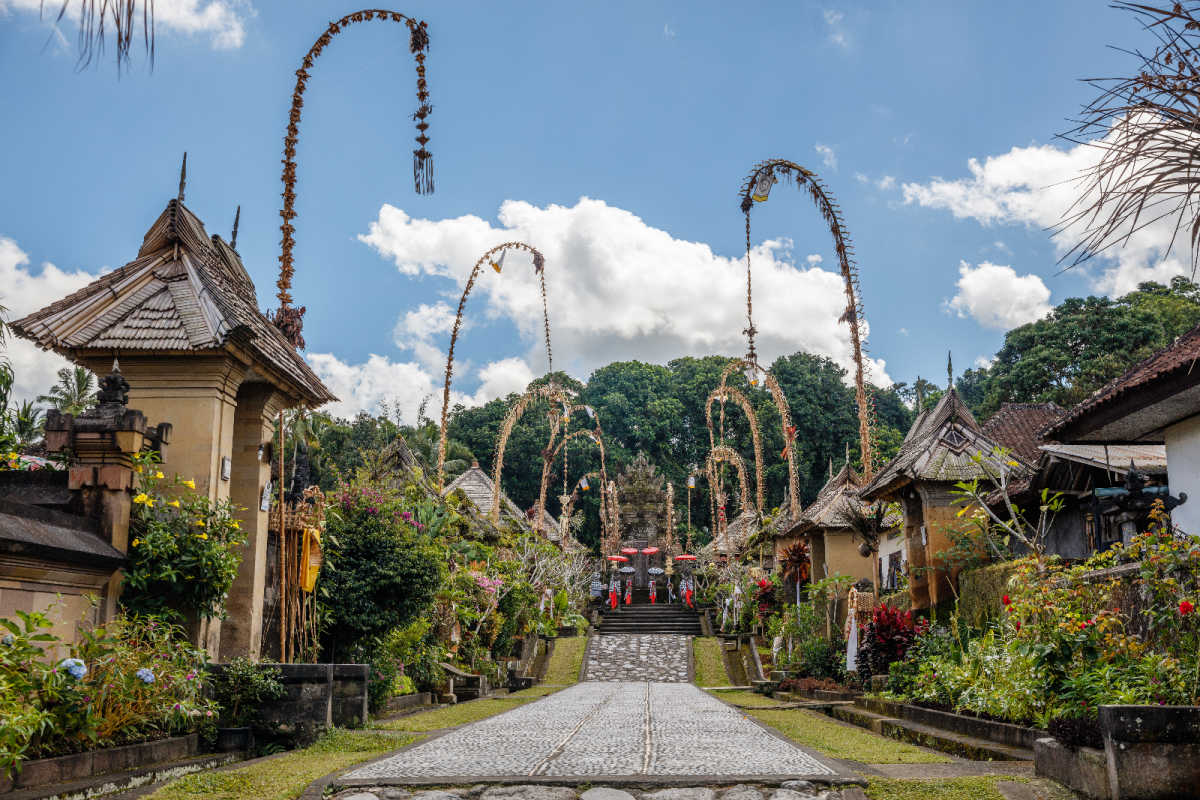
[[605, 729], [662, 657]]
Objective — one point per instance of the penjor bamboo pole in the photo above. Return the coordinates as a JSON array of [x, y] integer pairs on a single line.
[[282, 555]]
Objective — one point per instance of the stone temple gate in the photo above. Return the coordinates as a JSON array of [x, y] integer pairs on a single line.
[[642, 519]]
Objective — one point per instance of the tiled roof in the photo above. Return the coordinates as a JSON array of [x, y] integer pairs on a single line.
[[1137, 385], [1016, 425], [942, 446], [185, 292], [478, 487]]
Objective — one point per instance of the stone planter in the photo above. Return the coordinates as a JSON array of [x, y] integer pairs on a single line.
[[1152, 751], [567, 631], [231, 740], [1081, 769], [78, 766]]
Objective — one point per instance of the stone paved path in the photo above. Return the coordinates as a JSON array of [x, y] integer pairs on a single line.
[[605, 729], [638, 657]]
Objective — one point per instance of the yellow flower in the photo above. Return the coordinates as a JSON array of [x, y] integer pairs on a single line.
[[138, 469], [191, 484], [13, 454], [173, 503], [136, 542], [237, 526], [158, 474], [204, 536], [143, 499], [199, 523]]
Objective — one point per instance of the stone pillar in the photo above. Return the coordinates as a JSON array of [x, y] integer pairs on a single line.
[[258, 405], [103, 441], [198, 393]]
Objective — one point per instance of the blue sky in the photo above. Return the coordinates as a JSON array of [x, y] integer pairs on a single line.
[[616, 134]]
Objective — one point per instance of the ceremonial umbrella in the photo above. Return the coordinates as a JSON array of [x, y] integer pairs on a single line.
[[649, 551], [627, 570], [655, 571], [629, 551], [617, 558], [685, 557]]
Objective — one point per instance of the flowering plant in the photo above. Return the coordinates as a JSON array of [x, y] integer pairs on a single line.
[[185, 549], [99, 694]]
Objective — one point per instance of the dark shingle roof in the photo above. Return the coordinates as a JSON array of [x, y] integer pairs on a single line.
[[185, 292], [1151, 382], [1016, 425]]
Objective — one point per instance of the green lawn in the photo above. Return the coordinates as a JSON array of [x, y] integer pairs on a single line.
[[563, 670], [706, 658], [839, 740], [283, 777], [743, 697]]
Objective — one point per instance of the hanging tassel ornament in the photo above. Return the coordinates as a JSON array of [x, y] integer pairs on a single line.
[[418, 43], [583, 484]]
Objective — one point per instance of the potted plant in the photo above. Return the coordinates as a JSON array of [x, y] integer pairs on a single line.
[[238, 687]]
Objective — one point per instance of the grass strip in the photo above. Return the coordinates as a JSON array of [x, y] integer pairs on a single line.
[[973, 788], [283, 777], [838, 740], [709, 669], [743, 697], [566, 661]]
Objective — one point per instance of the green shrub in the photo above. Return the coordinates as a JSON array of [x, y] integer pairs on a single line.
[[981, 590], [240, 686]]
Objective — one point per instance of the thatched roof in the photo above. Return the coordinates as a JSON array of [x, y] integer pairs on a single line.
[[478, 487], [185, 293]]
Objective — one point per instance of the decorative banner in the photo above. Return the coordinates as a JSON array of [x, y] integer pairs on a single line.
[[691, 484], [583, 483], [498, 264], [762, 185], [591, 412], [311, 559]]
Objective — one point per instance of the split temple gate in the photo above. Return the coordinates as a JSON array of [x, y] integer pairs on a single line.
[[642, 519]]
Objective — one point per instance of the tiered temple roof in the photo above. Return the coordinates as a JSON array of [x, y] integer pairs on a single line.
[[186, 292]]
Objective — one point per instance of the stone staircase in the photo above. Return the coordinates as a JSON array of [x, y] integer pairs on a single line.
[[643, 618]]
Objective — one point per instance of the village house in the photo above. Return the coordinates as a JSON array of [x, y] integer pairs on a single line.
[[945, 446], [1155, 402]]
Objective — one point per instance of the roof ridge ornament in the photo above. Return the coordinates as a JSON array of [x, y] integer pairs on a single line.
[[237, 218], [182, 178]]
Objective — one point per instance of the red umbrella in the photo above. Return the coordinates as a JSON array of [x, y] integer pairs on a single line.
[[629, 551], [649, 551], [685, 557], [617, 558]]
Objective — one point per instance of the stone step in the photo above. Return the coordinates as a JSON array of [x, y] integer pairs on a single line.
[[958, 744]]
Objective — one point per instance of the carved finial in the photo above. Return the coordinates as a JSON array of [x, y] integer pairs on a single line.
[[114, 389], [182, 177], [116, 365], [949, 370], [237, 218]]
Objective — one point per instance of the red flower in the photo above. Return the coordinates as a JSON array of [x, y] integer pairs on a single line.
[[1018, 624], [1004, 600], [1185, 608]]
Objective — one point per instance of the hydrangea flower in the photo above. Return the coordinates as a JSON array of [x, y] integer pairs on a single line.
[[74, 666], [145, 675]]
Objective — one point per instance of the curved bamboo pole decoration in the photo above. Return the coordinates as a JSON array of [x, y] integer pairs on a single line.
[[725, 453], [539, 267], [614, 518], [569, 506], [558, 423], [785, 423], [728, 391], [551, 392], [548, 462], [290, 320], [669, 543], [756, 188]]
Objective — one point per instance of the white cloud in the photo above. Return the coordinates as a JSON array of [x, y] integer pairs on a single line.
[[1035, 186], [813, 259], [861, 178], [22, 293], [668, 31], [827, 155], [984, 362], [222, 20], [996, 297], [903, 331], [886, 182], [618, 288], [425, 330], [837, 34]]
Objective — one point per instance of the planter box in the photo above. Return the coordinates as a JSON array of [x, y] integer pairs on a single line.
[[999, 732], [79, 766], [1152, 751], [1083, 770], [406, 702]]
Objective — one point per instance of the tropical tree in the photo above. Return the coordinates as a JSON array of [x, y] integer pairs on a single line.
[[74, 393], [27, 421]]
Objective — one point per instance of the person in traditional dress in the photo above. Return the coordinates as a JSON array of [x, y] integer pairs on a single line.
[[653, 594], [629, 592], [689, 591], [614, 587]]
